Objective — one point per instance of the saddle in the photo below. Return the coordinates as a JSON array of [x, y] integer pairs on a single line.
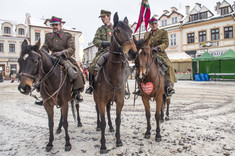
[[163, 65]]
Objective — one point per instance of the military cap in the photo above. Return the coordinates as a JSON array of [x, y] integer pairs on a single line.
[[56, 20], [104, 12], [153, 20]]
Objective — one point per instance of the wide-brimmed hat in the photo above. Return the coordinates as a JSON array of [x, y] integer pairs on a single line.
[[153, 20], [104, 13], [56, 20]]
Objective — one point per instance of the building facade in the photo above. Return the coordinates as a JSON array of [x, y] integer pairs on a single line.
[[89, 54], [12, 34], [203, 31]]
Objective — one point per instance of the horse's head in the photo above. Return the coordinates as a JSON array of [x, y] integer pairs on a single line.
[[29, 62], [144, 58], [122, 36]]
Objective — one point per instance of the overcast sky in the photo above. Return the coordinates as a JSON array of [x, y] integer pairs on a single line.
[[83, 14]]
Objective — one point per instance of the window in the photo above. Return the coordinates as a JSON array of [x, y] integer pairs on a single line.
[[203, 15], [12, 48], [21, 31], [224, 11], [191, 38], [228, 32], [37, 36], [173, 39], [164, 22], [202, 36], [193, 17], [1, 47], [13, 68], [7, 30], [174, 20], [215, 34]]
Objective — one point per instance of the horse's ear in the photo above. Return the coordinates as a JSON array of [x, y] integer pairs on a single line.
[[24, 45], [147, 40], [115, 19], [134, 39], [37, 45], [126, 21]]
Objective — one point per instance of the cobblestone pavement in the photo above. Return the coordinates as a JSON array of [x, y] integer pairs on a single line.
[[202, 122]]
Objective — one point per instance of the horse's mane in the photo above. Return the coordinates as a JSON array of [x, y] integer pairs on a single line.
[[140, 43]]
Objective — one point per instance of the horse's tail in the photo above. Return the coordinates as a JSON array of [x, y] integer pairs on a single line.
[[73, 112]]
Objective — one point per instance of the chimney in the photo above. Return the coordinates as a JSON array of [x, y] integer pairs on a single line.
[[187, 8], [217, 8], [174, 9], [165, 11], [27, 20]]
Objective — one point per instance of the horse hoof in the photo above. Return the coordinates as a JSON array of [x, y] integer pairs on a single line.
[[68, 148], [167, 118], [119, 144], [58, 131], [49, 147], [147, 136], [79, 124], [158, 139], [103, 151], [111, 130], [98, 129]]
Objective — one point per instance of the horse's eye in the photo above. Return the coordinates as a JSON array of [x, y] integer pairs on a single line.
[[118, 31]]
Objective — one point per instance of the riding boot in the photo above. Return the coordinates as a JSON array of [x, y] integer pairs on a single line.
[[170, 90], [89, 90], [71, 72]]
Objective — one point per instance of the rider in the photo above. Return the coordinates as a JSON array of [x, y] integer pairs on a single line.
[[61, 44], [101, 41], [159, 42]]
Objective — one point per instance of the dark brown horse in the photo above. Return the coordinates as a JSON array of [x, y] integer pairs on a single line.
[[37, 67], [152, 85], [110, 85]]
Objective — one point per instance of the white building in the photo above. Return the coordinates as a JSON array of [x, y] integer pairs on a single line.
[[89, 54], [12, 34]]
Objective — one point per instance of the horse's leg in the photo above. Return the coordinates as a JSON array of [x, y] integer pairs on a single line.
[[159, 102], [64, 110], [162, 110], [78, 115], [119, 106], [108, 107], [168, 101], [98, 118], [60, 124], [101, 108], [50, 113], [148, 115]]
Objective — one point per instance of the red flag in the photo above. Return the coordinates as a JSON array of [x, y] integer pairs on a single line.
[[144, 14]]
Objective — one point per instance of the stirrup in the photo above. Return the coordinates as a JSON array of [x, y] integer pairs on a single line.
[[137, 93], [78, 98]]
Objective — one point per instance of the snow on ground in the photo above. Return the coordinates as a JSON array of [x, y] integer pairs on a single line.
[[202, 122]]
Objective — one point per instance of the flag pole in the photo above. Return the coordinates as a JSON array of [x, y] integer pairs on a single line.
[[141, 7]]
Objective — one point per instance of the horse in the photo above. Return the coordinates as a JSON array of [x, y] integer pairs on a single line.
[[110, 84], [152, 85], [38, 67]]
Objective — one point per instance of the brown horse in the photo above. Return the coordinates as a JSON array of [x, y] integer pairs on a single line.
[[152, 85], [37, 67], [110, 85]]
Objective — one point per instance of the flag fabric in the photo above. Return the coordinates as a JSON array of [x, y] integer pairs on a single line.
[[144, 14]]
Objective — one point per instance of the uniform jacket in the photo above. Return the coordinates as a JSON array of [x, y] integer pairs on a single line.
[[62, 41]]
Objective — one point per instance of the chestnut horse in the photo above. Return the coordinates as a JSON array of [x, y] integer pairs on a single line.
[[37, 67], [110, 84], [152, 85]]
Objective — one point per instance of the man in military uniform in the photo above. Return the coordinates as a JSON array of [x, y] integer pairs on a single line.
[[159, 42], [61, 44], [101, 40]]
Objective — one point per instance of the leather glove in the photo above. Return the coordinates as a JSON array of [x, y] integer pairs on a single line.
[[59, 54], [105, 44], [156, 49]]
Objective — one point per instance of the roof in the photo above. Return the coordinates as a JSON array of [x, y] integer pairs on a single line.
[[13, 23], [229, 55], [179, 57], [204, 57]]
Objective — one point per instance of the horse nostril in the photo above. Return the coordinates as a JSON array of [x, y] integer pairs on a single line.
[[27, 88]]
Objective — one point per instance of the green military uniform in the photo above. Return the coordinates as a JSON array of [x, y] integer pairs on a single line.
[[64, 42], [103, 33], [159, 38]]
